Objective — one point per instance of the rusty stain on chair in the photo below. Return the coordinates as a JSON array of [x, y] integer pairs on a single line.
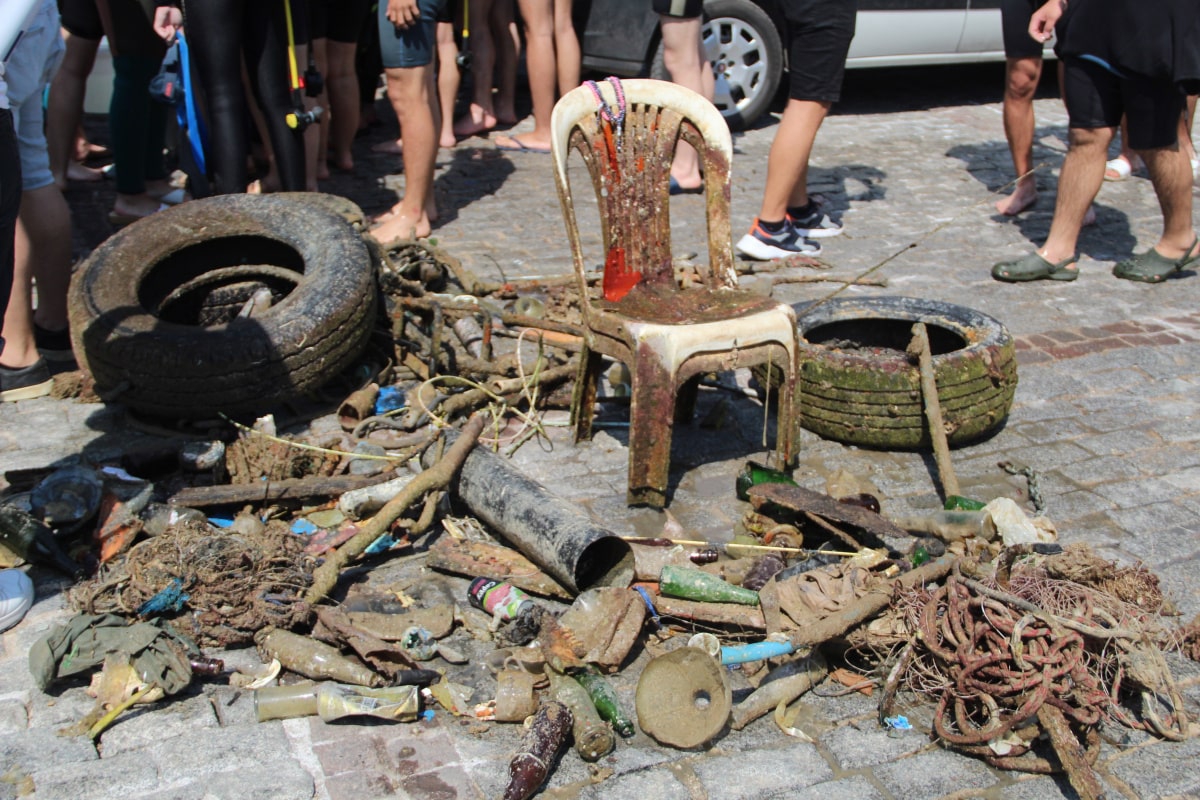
[[668, 337]]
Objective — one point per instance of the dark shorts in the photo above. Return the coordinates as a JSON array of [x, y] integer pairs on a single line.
[[684, 9], [818, 38], [412, 46], [337, 20], [1097, 98], [81, 18], [1014, 19]]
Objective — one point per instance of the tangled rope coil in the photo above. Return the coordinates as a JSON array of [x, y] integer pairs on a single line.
[[1002, 666]]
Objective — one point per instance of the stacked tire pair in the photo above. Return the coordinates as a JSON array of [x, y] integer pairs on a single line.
[[858, 385], [230, 304]]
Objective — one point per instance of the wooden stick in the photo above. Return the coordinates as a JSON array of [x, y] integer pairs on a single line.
[[436, 477], [770, 547], [290, 489], [933, 409]]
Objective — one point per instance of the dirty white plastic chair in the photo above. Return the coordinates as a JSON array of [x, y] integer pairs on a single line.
[[626, 132]]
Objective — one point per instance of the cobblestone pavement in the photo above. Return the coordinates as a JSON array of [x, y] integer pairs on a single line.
[[1106, 413]]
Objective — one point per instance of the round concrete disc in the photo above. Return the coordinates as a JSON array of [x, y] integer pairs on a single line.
[[683, 699]]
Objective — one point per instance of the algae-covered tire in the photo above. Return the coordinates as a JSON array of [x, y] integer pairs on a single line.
[[858, 386], [154, 310]]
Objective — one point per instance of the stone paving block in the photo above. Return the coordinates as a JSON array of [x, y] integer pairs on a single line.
[[120, 778], [354, 751], [36, 747], [756, 774], [189, 757], [659, 784], [442, 784], [852, 788], [139, 728], [14, 713], [1146, 519], [274, 781], [1145, 491], [1037, 787], [1154, 771], [933, 774], [1092, 472], [361, 785], [866, 744]]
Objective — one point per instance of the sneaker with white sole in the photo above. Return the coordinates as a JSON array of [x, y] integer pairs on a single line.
[[16, 596], [814, 224], [762, 245], [25, 383]]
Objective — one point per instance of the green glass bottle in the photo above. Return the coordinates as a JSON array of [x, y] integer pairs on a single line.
[[753, 474], [604, 697], [32, 540], [694, 584], [593, 736], [956, 502]]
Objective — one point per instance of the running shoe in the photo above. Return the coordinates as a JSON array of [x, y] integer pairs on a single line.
[[762, 245], [16, 596], [814, 224]]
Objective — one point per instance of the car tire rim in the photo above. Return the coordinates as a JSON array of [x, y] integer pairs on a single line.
[[739, 62]]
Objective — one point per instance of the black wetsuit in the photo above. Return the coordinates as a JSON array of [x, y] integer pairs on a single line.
[[219, 33]]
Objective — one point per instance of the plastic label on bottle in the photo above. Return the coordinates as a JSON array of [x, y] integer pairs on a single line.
[[501, 600]]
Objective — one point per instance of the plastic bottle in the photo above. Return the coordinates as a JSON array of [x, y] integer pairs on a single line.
[[157, 517], [694, 584], [333, 701], [753, 474], [530, 767], [604, 698], [949, 526], [33, 541], [313, 659], [593, 736]]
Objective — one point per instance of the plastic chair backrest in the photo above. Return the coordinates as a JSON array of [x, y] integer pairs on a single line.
[[629, 164]]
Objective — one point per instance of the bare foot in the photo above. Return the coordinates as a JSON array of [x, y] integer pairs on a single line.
[[399, 223], [477, 120], [394, 148], [522, 143], [1022, 198], [341, 161], [78, 172]]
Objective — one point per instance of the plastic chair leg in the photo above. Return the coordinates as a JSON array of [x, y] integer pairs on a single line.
[[651, 415]]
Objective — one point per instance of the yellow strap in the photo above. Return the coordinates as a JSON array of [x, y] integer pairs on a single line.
[[295, 72]]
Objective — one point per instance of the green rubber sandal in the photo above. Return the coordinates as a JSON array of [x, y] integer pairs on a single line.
[[1153, 267], [1035, 268]]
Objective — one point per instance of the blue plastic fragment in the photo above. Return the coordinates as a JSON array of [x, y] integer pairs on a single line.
[[303, 527], [428, 714], [171, 598], [756, 651], [381, 545], [221, 522], [898, 723], [390, 398]]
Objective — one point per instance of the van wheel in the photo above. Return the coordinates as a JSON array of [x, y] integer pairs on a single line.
[[154, 310], [743, 45]]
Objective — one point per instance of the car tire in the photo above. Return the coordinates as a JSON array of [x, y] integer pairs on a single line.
[[153, 310], [743, 44], [859, 387]]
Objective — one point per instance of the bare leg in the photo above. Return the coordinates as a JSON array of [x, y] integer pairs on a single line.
[[504, 70], [64, 109], [1021, 81], [684, 60], [787, 163], [42, 251], [540, 63], [1185, 134], [566, 47], [411, 93], [1171, 173], [448, 81], [481, 116], [320, 54], [341, 84], [1078, 182]]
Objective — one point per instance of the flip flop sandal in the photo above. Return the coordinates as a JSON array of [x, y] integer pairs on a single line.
[[1153, 267], [1033, 268]]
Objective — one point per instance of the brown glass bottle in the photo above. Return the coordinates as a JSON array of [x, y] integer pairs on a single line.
[[530, 767]]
